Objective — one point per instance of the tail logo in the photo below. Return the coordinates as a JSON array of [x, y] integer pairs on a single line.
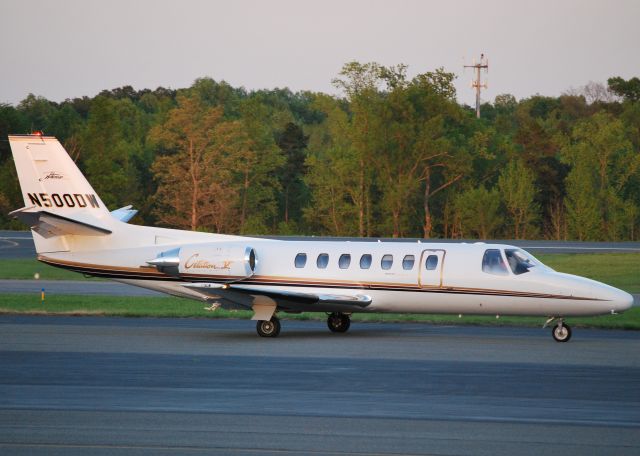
[[51, 175]]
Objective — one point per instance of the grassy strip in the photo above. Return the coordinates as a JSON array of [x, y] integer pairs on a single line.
[[622, 270], [177, 307], [26, 268]]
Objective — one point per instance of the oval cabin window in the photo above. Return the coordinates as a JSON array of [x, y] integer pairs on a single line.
[[301, 260], [344, 261], [386, 262], [365, 261], [432, 262], [408, 262], [322, 261]]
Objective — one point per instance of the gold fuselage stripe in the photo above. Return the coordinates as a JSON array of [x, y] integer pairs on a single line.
[[151, 273]]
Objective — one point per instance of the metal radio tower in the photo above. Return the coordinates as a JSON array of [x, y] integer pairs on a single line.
[[477, 83]]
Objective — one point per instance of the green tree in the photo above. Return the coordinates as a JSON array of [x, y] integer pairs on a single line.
[[109, 142], [293, 143], [256, 169], [360, 82], [413, 150], [600, 154], [478, 212], [333, 171], [583, 211], [629, 90], [12, 121], [194, 175], [516, 184], [537, 143], [38, 112], [442, 151]]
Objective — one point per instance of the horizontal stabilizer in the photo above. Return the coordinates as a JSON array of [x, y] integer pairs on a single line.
[[124, 214], [245, 296], [49, 225]]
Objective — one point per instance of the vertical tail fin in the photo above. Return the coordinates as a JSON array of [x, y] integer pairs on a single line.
[[50, 180], [58, 198]]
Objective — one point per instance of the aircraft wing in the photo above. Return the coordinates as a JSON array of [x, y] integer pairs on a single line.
[[237, 296]]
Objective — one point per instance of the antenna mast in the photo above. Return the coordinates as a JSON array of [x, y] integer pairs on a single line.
[[477, 83]]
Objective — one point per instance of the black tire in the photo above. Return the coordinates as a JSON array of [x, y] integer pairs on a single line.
[[561, 333], [268, 328], [338, 322]]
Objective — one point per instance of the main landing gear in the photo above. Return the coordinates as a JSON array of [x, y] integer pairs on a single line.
[[561, 332], [268, 328], [338, 322]]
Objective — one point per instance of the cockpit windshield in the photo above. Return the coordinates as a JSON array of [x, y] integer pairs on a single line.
[[521, 261]]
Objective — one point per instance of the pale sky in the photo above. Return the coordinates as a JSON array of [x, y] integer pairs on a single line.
[[70, 48]]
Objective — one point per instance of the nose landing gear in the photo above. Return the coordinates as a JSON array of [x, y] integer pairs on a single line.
[[561, 332]]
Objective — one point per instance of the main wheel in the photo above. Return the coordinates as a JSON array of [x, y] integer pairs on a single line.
[[561, 332], [338, 322], [268, 328]]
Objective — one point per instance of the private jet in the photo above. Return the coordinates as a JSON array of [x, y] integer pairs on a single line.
[[73, 229]]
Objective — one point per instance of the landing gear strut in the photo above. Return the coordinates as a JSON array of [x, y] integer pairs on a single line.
[[338, 322], [561, 332], [268, 328]]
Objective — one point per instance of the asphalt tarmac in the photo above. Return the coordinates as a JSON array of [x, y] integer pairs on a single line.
[[186, 386], [75, 287], [16, 244]]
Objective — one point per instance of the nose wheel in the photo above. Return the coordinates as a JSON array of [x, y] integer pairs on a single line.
[[338, 322], [561, 332], [268, 328]]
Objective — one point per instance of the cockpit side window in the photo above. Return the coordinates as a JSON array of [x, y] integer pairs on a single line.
[[518, 261], [493, 263]]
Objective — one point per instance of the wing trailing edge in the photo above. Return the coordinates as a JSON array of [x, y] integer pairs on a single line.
[[244, 296]]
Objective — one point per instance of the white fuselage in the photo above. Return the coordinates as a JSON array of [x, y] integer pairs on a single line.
[[454, 282]]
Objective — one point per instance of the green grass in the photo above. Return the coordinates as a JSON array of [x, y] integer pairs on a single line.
[[621, 270], [26, 268], [177, 307], [125, 306]]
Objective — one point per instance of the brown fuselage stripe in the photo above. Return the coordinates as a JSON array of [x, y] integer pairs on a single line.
[[112, 272]]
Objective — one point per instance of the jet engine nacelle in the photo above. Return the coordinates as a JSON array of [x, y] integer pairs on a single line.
[[223, 260], [233, 261]]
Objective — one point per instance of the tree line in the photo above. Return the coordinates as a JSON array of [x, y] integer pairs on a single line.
[[391, 156]]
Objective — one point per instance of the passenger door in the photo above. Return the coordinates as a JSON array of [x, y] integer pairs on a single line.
[[430, 268]]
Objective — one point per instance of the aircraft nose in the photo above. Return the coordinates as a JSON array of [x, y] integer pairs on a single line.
[[621, 301]]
